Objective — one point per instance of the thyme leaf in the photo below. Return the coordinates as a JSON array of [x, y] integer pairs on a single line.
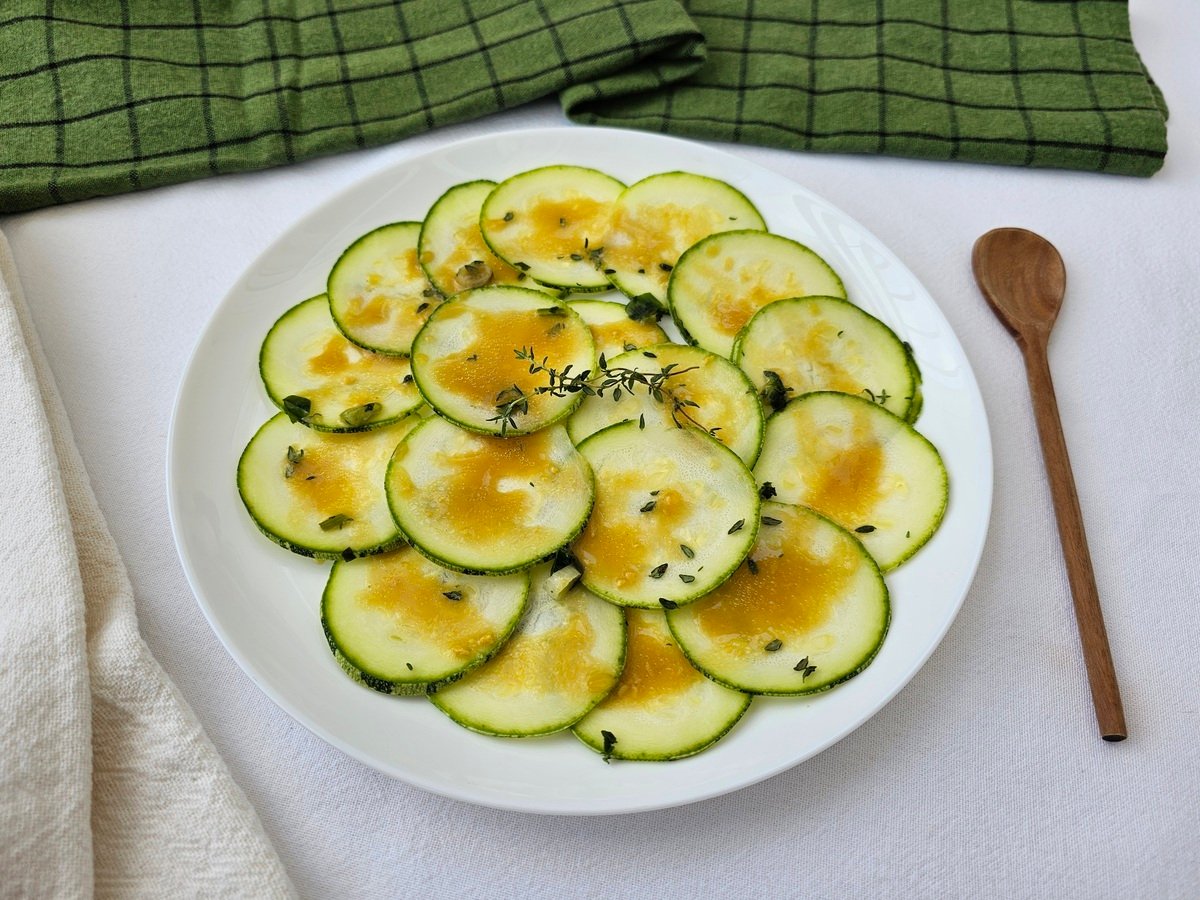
[[335, 522]]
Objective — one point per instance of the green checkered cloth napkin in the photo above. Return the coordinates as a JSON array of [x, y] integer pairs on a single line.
[[102, 98]]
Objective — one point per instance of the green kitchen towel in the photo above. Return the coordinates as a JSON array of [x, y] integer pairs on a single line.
[[98, 99], [1025, 82]]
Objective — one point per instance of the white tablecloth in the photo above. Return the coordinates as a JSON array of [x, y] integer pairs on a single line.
[[984, 777]]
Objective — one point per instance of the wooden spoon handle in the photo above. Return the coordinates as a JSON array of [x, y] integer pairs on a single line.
[[1102, 677]]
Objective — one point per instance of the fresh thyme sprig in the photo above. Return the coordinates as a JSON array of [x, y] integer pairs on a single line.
[[613, 380]]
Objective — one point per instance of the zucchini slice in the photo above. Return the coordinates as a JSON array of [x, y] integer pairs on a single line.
[[676, 512], [725, 279], [655, 220], [807, 611], [563, 659], [918, 400], [548, 222], [450, 239], [487, 504], [320, 494], [662, 708], [825, 344], [399, 623], [312, 372], [863, 467], [705, 390], [472, 359], [378, 295], [612, 329]]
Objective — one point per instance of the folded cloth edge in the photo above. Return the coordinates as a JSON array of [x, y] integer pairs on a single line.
[[162, 801]]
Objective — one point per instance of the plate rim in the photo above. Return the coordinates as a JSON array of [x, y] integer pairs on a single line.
[[541, 806]]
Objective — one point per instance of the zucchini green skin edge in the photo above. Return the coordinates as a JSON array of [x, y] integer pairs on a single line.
[[382, 351], [553, 729], [440, 201], [681, 754], [751, 527], [820, 688], [405, 688], [944, 480], [467, 570], [914, 399], [762, 226], [571, 288], [424, 389], [278, 401], [670, 298], [301, 549]]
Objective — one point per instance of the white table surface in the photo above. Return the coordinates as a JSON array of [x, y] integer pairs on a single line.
[[984, 777]]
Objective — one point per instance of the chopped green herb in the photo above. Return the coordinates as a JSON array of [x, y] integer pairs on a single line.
[[357, 416], [452, 595], [562, 222], [644, 307], [298, 409], [610, 271], [667, 604], [773, 393], [410, 668], [803, 664], [578, 257], [687, 579], [642, 421], [658, 571], [557, 311], [770, 520], [610, 741], [649, 355], [348, 554], [752, 566], [767, 491], [666, 267], [508, 216], [524, 267], [293, 457], [474, 274], [335, 522], [865, 529], [407, 379], [628, 346], [687, 551], [736, 526], [773, 645], [648, 506], [422, 307]]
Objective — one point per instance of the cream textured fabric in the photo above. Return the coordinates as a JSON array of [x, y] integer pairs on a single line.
[[108, 784]]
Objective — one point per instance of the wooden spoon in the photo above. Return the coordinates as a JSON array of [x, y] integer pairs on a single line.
[[1023, 279]]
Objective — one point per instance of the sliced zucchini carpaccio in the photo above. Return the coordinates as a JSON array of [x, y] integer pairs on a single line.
[[451, 248], [472, 361], [825, 344], [863, 467], [725, 279], [549, 223], [399, 623], [320, 494], [378, 294], [655, 220], [702, 389], [662, 707], [676, 512], [612, 329], [808, 610], [563, 659], [311, 371], [488, 504]]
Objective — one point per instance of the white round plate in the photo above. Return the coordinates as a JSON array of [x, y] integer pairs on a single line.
[[263, 602]]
